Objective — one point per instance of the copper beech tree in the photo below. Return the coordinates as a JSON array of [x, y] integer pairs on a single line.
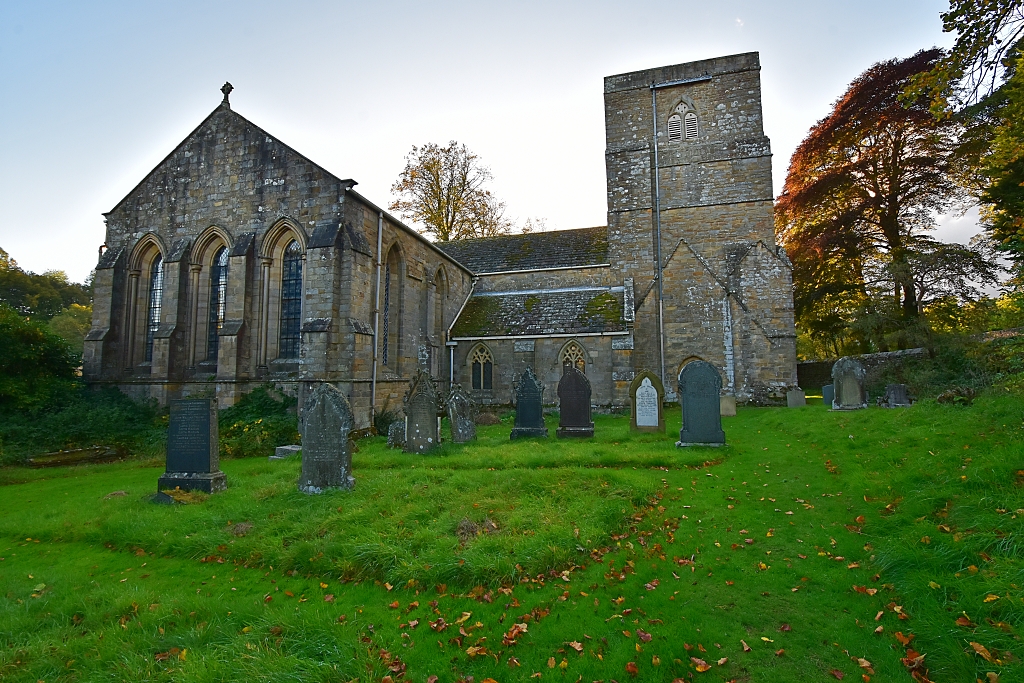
[[442, 190], [862, 192]]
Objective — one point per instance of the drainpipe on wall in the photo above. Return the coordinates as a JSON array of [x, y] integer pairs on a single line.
[[376, 313], [657, 232]]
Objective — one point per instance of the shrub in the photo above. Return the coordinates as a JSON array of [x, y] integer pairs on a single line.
[[384, 418], [261, 421], [35, 364]]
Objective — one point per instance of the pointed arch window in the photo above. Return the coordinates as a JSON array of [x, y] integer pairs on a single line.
[[690, 126], [386, 334], [675, 128], [156, 295], [291, 301], [218, 302], [482, 366], [574, 356]]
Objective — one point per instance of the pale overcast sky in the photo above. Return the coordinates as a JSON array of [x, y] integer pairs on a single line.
[[94, 95]]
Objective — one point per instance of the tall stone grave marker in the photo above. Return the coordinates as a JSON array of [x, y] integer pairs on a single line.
[[848, 377], [193, 448], [896, 396], [326, 449], [574, 404], [828, 394], [699, 388], [529, 407], [796, 398], [461, 414], [421, 415], [396, 433], [645, 396]]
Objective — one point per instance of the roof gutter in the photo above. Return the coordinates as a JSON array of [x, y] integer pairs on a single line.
[[545, 336]]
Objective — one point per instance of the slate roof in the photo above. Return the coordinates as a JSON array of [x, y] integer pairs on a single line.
[[530, 314], [556, 249]]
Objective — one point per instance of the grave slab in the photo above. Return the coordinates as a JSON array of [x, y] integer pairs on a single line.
[[193, 448], [700, 388], [574, 404]]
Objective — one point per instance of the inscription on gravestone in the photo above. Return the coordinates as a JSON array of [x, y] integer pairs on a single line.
[[326, 449], [529, 407], [700, 386], [193, 455], [421, 415], [574, 404], [647, 392]]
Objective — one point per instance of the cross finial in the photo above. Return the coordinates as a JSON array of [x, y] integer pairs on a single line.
[[226, 89]]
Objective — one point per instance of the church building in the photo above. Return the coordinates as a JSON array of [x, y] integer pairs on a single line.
[[237, 261]]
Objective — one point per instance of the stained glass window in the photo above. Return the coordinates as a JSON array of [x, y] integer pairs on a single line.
[[291, 301], [218, 294], [156, 294]]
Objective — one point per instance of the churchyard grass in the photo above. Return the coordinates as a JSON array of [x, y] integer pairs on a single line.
[[633, 560]]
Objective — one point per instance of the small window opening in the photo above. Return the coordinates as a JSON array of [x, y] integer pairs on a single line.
[[483, 369], [675, 128], [690, 125]]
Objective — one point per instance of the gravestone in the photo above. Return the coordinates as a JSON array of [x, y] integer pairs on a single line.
[[727, 406], [285, 452], [828, 394], [700, 387], [461, 414], [396, 433], [896, 396], [326, 448], [193, 450], [796, 398], [848, 377], [574, 404], [529, 407], [421, 415], [646, 395]]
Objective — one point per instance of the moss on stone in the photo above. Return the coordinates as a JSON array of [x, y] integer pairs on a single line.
[[478, 317], [604, 307]]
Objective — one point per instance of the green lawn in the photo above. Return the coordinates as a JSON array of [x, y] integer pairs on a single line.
[[813, 538]]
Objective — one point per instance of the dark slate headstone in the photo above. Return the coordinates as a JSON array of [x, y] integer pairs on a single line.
[[529, 407], [461, 414], [796, 398], [193, 451], [896, 396], [421, 415], [326, 448], [396, 433], [848, 376], [646, 394], [699, 388], [828, 394], [574, 404]]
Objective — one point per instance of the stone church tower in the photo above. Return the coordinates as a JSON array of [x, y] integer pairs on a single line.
[[237, 261]]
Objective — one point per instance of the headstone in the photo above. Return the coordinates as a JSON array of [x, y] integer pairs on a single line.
[[796, 398], [193, 449], [828, 394], [461, 414], [326, 448], [574, 404], [727, 406], [646, 394], [283, 452], [848, 376], [896, 396], [396, 433], [421, 415], [700, 387], [529, 407]]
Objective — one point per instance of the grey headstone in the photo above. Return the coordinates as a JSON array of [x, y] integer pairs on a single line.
[[896, 396], [421, 415], [646, 395], [396, 434], [574, 404], [326, 449], [529, 407], [461, 414], [727, 406], [282, 452], [796, 398], [700, 387], [193, 449], [848, 376], [828, 394]]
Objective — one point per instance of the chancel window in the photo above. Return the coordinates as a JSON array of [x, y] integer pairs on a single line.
[[482, 365], [156, 294], [574, 356], [291, 301], [218, 296]]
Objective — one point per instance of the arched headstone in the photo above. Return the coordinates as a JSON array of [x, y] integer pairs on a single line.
[[461, 411], [326, 450], [421, 415], [529, 407], [574, 404], [646, 395], [699, 388], [848, 377]]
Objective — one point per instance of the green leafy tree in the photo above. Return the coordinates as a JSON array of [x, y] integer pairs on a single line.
[[38, 296], [35, 364], [72, 324]]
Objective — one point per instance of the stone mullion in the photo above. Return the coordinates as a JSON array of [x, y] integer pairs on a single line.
[[262, 341], [194, 272], [131, 309]]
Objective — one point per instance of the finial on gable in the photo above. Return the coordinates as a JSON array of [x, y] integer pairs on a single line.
[[226, 89]]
